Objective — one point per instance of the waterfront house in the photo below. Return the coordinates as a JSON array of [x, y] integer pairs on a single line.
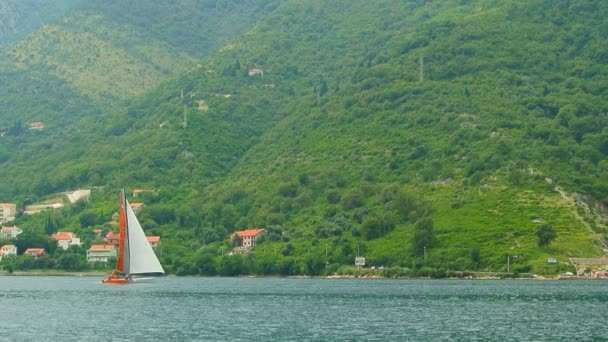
[[8, 250], [66, 239], [10, 232], [101, 253], [35, 252], [153, 240], [7, 212], [248, 237]]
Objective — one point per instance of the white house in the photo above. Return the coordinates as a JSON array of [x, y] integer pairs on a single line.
[[37, 125], [7, 212], [256, 71], [101, 253], [35, 252], [10, 232], [8, 250], [66, 239], [154, 241], [248, 237]]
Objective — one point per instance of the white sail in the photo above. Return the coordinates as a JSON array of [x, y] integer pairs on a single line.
[[141, 257]]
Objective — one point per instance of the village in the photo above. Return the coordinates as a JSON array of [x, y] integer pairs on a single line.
[[97, 253]]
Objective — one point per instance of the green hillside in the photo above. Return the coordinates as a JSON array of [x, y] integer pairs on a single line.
[[433, 137], [76, 73]]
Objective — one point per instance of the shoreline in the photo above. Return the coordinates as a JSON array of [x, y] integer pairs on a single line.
[[333, 276], [53, 274]]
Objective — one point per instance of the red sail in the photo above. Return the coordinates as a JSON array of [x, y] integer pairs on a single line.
[[123, 224]]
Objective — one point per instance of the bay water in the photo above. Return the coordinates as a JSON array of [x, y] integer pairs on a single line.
[[293, 309]]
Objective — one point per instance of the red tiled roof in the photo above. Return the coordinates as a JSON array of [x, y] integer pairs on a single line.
[[136, 205], [37, 251], [7, 246], [63, 236], [6, 204], [249, 232], [100, 247], [153, 238]]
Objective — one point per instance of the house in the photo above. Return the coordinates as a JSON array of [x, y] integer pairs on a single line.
[[66, 239], [10, 232], [35, 252], [256, 71], [101, 253], [248, 237], [8, 250], [7, 212], [153, 240], [36, 125], [112, 238], [136, 192], [136, 207]]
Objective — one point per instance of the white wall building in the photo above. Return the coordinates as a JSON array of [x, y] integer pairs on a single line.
[[66, 239], [101, 253], [10, 232], [7, 212], [9, 250]]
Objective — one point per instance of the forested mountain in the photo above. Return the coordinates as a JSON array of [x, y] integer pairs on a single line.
[[20, 17], [435, 136]]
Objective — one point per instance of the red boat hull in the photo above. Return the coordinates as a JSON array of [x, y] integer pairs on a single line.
[[115, 281]]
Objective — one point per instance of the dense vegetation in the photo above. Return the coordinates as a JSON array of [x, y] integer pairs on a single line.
[[428, 137]]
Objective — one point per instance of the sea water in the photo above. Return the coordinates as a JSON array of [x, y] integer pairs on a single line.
[[287, 309]]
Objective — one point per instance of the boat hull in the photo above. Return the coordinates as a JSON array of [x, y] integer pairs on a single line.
[[115, 281]]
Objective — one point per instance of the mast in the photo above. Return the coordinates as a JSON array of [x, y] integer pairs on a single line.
[[123, 246]]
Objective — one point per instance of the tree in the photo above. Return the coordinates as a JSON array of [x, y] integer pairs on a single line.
[[424, 235], [545, 234], [475, 257]]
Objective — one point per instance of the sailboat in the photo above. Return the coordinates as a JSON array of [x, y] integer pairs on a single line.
[[135, 255]]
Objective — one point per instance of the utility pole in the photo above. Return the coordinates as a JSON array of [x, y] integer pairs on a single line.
[[185, 122], [425, 255]]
